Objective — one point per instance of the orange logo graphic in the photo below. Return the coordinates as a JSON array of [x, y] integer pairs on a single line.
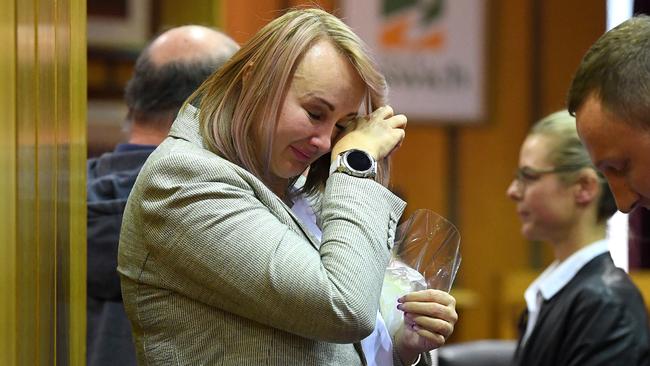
[[411, 24]]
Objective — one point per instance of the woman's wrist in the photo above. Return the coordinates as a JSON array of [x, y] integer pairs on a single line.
[[409, 358], [417, 360], [407, 355]]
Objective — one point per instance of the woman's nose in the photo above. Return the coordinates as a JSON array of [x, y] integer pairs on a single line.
[[514, 191], [322, 138]]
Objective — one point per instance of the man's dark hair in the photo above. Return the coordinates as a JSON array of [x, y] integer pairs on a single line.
[[155, 93], [616, 70]]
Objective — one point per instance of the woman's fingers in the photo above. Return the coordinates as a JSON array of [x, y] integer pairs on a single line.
[[398, 121], [430, 324], [430, 309], [386, 114], [382, 113], [378, 133], [429, 319], [433, 339], [429, 295]]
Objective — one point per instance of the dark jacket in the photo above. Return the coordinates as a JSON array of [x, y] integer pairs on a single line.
[[598, 318], [110, 180]]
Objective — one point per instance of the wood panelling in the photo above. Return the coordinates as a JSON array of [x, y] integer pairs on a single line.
[[241, 19], [8, 189], [43, 183], [174, 13], [491, 243], [568, 29], [420, 167]]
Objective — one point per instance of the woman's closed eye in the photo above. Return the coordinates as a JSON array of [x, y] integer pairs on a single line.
[[315, 115], [344, 124], [526, 174]]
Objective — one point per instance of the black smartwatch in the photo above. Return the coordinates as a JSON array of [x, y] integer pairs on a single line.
[[356, 163]]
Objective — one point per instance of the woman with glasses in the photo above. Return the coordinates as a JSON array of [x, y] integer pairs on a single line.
[[581, 310]]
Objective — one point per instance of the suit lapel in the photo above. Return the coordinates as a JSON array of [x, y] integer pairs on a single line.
[[362, 356], [294, 222]]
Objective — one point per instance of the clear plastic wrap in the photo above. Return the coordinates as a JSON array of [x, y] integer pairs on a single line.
[[426, 255]]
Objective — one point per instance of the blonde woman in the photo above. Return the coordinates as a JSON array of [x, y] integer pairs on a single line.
[[217, 268], [581, 310]]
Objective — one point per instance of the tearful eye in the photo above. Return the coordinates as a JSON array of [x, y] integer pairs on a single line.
[[313, 115], [343, 125]]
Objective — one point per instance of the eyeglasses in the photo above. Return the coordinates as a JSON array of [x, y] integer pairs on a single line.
[[526, 175]]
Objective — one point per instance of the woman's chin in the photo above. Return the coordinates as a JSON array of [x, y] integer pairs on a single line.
[[289, 171], [528, 232]]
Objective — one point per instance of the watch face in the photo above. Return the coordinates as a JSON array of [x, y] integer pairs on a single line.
[[358, 160]]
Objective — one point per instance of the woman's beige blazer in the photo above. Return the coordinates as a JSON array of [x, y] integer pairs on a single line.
[[216, 270]]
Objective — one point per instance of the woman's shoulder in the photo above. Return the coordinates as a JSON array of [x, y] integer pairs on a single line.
[[606, 286], [176, 152], [184, 156], [177, 161]]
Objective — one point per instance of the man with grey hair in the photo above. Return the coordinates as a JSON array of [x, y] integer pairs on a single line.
[[610, 97], [167, 71]]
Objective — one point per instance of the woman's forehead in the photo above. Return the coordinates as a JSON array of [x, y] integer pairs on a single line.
[[324, 71], [537, 149]]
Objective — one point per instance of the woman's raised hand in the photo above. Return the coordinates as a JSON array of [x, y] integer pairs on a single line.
[[378, 133]]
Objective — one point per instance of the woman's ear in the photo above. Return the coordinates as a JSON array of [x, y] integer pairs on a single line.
[[587, 187]]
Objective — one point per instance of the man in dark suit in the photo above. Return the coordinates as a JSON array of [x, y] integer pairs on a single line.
[[167, 71]]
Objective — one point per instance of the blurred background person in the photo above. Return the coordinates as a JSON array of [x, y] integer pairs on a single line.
[[582, 310], [167, 71]]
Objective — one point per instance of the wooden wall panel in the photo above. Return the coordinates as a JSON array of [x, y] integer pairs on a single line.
[[488, 156], [74, 15], [174, 13], [242, 18], [27, 225], [568, 29], [420, 169], [329, 5], [8, 164], [70, 39], [43, 183]]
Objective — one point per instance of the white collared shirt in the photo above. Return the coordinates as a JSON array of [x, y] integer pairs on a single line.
[[555, 277]]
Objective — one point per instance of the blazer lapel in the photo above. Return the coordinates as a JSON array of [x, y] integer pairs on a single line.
[[362, 356], [298, 223]]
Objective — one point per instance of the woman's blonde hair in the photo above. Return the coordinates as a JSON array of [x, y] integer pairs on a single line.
[[233, 117], [568, 154]]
